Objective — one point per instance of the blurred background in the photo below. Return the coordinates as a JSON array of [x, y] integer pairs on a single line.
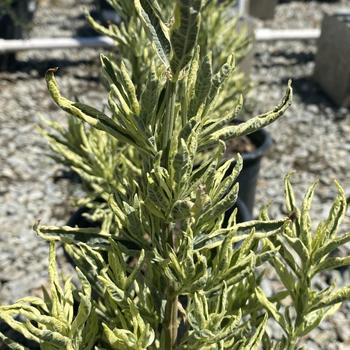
[[312, 139]]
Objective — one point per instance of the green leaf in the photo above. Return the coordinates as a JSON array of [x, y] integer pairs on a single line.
[[202, 87], [155, 28], [184, 33], [220, 207], [217, 124], [289, 194], [284, 274], [260, 226], [85, 304], [330, 264], [53, 338], [90, 115], [132, 277], [333, 244], [313, 319], [220, 78], [336, 297], [192, 75], [337, 213], [110, 69], [271, 308], [182, 163], [255, 341], [56, 291], [305, 220], [130, 89], [299, 247], [149, 97], [286, 252], [224, 186], [120, 339], [253, 124], [91, 236]]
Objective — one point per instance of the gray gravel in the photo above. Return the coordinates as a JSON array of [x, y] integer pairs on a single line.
[[303, 14], [313, 139], [28, 191]]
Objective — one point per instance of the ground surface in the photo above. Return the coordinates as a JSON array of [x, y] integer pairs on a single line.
[[28, 191], [313, 139]]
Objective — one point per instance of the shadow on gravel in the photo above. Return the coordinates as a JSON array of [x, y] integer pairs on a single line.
[[304, 86], [41, 66], [297, 57], [310, 92], [85, 29], [280, 58]]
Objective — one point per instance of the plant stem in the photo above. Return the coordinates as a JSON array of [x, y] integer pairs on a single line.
[[171, 308], [170, 322], [292, 342], [169, 114]]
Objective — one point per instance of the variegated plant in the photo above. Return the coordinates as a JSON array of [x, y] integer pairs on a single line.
[[126, 309], [52, 321], [218, 38], [301, 305], [169, 267], [85, 150], [220, 33]]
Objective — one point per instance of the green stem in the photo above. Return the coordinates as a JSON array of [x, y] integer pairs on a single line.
[[170, 322], [292, 342], [169, 120], [303, 298]]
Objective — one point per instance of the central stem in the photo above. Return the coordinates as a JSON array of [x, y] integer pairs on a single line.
[[292, 342], [170, 322], [170, 326], [169, 119]]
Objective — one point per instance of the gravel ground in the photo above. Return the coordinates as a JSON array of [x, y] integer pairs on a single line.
[[28, 190], [303, 14], [313, 139]]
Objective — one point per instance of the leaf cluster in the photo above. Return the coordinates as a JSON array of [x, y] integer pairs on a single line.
[[220, 32], [303, 253], [168, 266]]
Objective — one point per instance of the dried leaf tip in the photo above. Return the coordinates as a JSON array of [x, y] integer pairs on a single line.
[[52, 70], [36, 225]]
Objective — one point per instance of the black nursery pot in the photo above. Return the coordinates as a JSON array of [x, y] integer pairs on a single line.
[[78, 219], [248, 177], [106, 13], [19, 338], [15, 26], [243, 214]]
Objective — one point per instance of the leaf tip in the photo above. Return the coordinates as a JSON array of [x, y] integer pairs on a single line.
[[52, 70]]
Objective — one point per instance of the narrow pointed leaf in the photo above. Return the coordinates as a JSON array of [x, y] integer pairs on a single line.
[[155, 28], [184, 33]]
